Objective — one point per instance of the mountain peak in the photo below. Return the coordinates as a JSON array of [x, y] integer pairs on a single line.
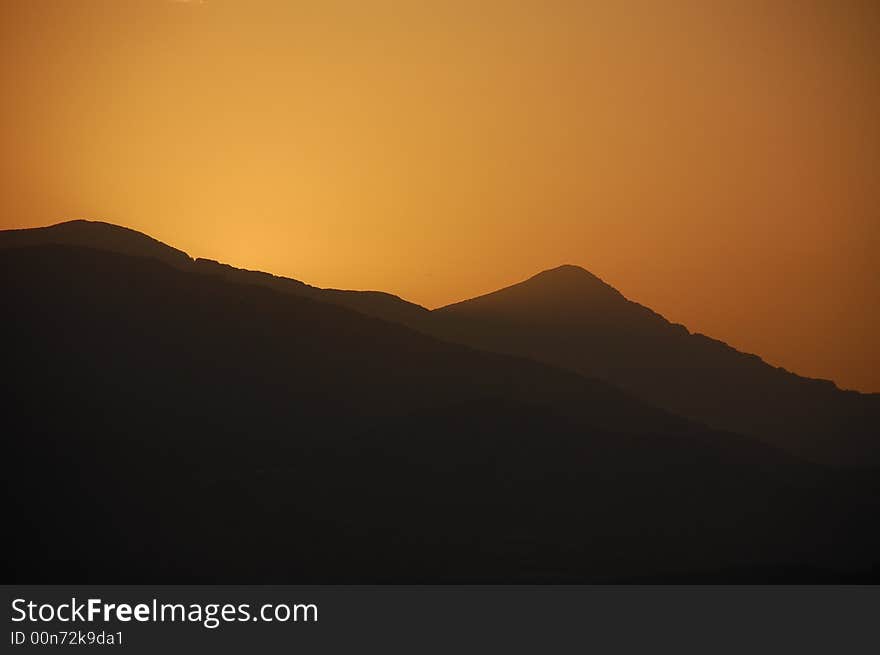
[[564, 286], [567, 268], [568, 272], [568, 281], [98, 235]]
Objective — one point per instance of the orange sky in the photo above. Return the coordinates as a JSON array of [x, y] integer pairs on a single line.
[[716, 161]]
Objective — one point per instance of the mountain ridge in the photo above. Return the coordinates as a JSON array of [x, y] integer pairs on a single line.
[[102, 235], [56, 233], [571, 270], [96, 234], [569, 318], [256, 435]]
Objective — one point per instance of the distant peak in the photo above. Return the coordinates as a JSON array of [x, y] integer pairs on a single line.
[[568, 270], [569, 275], [564, 286], [569, 267]]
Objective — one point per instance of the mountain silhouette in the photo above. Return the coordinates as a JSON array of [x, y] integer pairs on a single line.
[[98, 235], [372, 303], [569, 318], [167, 425], [114, 238]]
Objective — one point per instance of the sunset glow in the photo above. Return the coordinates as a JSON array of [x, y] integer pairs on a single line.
[[716, 161]]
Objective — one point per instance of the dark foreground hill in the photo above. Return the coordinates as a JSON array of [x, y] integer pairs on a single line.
[[167, 426], [569, 318]]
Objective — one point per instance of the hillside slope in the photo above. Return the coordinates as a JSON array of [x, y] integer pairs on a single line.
[[569, 317], [168, 426]]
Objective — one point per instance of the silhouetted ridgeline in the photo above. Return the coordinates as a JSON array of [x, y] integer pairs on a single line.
[[166, 425], [95, 234], [569, 318]]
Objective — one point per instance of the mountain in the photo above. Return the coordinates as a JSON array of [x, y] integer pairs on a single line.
[[98, 235], [568, 317], [166, 425], [114, 238], [372, 303]]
